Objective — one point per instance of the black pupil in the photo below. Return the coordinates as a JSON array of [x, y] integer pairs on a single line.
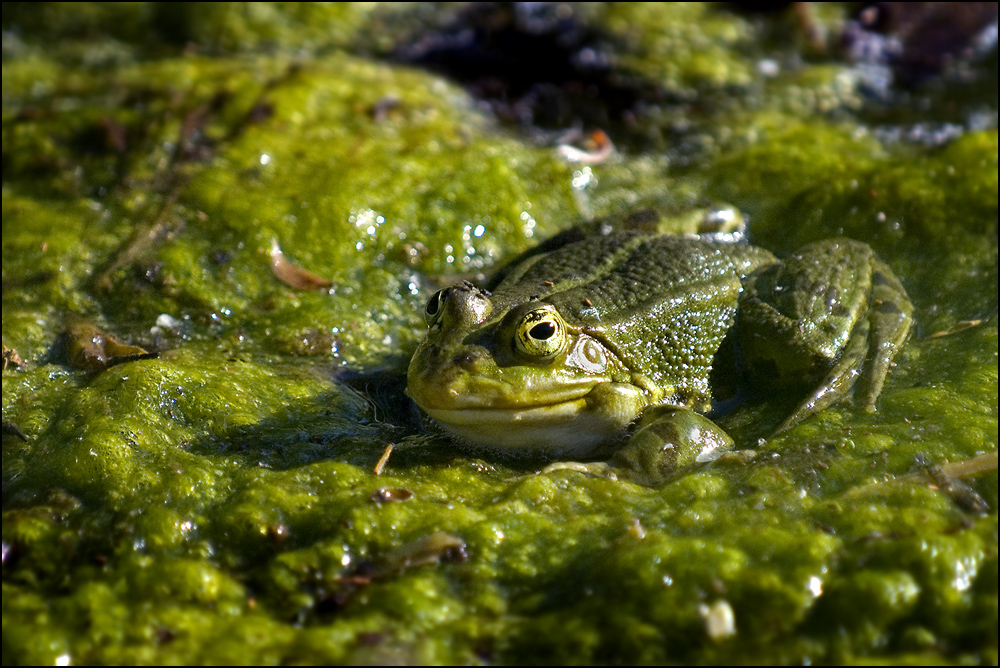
[[432, 304], [542, 331]]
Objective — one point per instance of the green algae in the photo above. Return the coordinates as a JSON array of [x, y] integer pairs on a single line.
[[217, 504]]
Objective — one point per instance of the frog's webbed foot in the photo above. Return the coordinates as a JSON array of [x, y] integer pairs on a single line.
[[833, 314], [667, 440]]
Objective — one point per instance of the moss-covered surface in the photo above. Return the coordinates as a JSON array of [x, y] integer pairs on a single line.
[[217, 503]]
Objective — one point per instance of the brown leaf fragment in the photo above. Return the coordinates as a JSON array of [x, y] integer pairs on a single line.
[[90, 348], [389, 494], [11, 358], [292, 275], [957, 327]]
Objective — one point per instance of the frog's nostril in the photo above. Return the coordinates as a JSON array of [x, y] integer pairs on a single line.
[[468, 360]]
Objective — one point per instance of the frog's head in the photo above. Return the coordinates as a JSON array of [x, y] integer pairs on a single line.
[[516, 376]]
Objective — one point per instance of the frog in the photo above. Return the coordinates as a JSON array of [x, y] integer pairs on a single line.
[[626, 341]]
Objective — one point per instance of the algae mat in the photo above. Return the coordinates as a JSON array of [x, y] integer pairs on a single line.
[[192, 417]]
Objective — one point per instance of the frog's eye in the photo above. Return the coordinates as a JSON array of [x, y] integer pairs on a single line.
[[433, 308], [541, 333]]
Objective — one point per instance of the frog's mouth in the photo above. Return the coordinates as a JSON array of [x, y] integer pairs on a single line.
[[573, 420], [563, 428]]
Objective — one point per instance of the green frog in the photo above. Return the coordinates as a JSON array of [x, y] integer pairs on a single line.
[[626, 338]]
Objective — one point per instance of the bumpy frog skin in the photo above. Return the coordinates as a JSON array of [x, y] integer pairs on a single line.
[[575, 342]]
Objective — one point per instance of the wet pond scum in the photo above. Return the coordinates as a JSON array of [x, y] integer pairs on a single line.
[[211, 498]]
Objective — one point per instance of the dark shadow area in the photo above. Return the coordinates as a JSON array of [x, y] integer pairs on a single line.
[[920, 40], [350, 424], [537, 65]]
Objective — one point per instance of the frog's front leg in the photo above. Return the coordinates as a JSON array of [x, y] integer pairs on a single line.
[[666, 440], [830, 317]]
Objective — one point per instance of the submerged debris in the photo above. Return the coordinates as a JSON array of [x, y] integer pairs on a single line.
[[719, 619], [146, 238], [535, 63], [917, 40], [958, 491], [424, 551], [599, 148], [972, 467]]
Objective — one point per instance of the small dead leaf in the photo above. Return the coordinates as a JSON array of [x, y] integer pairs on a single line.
[[959, 326], [90, 348], [293, 275], [387, 494]]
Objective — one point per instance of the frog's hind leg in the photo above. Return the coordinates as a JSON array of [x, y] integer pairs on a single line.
[[833, 314], [869, 352], [891, 315]]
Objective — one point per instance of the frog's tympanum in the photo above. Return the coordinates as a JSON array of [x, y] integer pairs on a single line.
[[619, 338]]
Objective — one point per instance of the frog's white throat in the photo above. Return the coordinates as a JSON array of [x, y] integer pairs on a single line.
[[565, 429]]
